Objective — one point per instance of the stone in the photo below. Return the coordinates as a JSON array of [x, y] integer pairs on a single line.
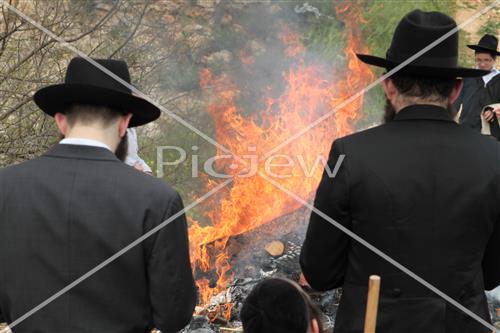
[[275, 248]]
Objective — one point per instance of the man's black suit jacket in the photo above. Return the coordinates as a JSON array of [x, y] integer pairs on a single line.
[[474, 96], [67, 211], [425, 191]]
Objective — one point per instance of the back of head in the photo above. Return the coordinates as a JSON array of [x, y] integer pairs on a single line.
[[423, 88], [96, 122], [88, 115], [275, 306]]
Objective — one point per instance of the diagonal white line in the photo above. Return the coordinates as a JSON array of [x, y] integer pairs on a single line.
[[179, 119], [383, 77], [151, 232], [114, 257], [136, 91], [381, 254]]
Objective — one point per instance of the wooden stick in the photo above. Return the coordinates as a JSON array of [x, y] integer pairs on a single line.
[[372, 304]]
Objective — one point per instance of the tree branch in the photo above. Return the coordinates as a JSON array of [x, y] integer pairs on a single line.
[[139, 21]]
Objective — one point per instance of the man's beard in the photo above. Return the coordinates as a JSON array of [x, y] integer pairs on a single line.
[[390, 111], [121, 150]]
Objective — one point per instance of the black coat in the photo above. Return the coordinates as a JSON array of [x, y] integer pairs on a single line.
[[475, 95], [426, 191], [494, 98], [66, 212], [494, 90]]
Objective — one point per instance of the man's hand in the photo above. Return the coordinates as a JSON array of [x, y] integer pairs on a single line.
[[497, 112], [139, 167], [488, 115], [303, 282]]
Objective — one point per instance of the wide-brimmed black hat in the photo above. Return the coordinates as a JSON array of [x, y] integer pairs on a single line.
[[87, 84], [487, 44], [416, 31]]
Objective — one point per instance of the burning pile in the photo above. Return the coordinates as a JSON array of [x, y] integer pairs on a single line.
[[253, 258], [304, 90]]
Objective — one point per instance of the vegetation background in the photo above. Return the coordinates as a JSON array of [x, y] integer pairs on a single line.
[[166, 44]]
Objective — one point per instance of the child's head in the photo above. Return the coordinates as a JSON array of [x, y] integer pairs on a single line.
[[279, 306]]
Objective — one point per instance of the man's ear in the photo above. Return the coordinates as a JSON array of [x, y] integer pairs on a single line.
[[455, 92], [124, 121], [314, 326], [389, 89], [62, 122]]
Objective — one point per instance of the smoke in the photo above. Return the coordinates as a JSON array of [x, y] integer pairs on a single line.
[[255, 37]]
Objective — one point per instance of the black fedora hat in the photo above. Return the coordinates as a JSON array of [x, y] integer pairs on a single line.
[[87, 84], [487, 44], [416, 31]]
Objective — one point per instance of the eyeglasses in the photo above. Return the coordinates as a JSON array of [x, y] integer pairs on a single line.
[[485, 61]]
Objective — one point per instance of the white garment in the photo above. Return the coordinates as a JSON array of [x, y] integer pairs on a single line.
[[490, 75], [494, 294], [84, 142], [133, 157]]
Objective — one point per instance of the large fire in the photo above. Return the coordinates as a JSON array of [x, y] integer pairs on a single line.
[[251, 201]]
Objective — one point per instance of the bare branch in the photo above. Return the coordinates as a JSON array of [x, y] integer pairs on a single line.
[[15, 108], [139, 21]]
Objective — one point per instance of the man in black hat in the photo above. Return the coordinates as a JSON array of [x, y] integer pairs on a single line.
[[420, 188], [66, 212], [479, 92]]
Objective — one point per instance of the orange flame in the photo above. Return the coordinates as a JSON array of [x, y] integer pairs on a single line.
[[292, 41], [252, 201]]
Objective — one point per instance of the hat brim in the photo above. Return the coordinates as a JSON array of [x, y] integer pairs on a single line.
[[483, 49], [57, 98], [441, 72]]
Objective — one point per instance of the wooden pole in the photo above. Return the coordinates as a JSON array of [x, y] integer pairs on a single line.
[[372, 304]]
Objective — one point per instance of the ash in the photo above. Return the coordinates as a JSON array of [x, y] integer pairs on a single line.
[[252, 263]]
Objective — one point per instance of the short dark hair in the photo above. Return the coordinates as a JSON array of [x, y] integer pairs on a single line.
[[492, 54], [277, 306], [423, 86], [87, 114]]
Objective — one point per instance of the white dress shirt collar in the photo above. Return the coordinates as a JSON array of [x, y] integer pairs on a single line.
[[490, 75], [84, 142]]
